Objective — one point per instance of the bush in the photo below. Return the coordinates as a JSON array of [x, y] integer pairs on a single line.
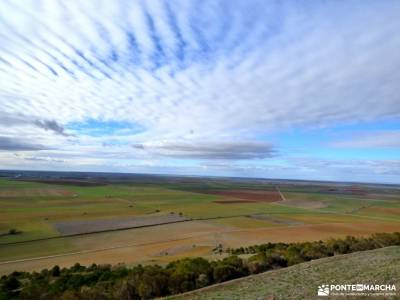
[[188, 274], [55, 271], [11, 283], [13, 231], [229, 268], [153, 283]]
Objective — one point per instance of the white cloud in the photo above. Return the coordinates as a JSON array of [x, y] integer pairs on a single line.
[[373, 139], [311, 62], [195, 71], [237, 150]]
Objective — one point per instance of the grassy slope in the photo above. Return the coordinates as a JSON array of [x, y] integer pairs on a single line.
[[301, 281]]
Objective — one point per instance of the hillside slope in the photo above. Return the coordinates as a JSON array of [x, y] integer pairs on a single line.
[[301, 281]]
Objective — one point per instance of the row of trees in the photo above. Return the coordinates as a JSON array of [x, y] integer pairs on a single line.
[[326, 248], [146, 282]]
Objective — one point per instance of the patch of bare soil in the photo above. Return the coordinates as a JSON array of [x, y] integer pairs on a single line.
[[180, 249], [234, 201]]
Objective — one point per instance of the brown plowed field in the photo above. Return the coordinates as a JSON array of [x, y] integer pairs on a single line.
[[395, 211], [234, 201]]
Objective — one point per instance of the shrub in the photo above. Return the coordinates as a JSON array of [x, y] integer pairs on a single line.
[[55, 271], [13, 231], [11, 283]]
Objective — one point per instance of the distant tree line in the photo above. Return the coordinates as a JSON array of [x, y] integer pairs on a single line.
[[147, 282]]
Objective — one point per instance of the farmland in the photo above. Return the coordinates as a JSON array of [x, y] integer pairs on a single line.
[[154, 219]]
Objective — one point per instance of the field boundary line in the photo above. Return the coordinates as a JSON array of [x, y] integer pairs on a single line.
[[92, 232], [126, 228]]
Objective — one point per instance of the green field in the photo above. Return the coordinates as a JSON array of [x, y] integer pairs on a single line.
[[216, 212]]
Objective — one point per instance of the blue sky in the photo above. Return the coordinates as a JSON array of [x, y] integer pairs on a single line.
[[275, 89]]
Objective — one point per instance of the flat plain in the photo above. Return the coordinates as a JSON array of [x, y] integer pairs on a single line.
[[157, 219]]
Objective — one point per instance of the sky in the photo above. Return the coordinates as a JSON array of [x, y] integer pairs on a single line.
[[273, 89]]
